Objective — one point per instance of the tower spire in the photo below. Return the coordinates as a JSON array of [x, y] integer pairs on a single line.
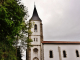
[[35, 14]]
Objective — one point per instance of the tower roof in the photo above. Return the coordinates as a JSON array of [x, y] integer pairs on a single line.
[[35, 15]]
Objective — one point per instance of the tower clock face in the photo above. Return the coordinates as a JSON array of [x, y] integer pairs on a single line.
[[35, 50]]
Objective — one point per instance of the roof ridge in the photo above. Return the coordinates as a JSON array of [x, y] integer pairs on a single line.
[[62, 42]]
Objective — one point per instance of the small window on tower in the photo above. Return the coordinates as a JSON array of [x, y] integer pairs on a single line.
[[34, 39], [64, 53], [77, 53], [35, 28], [51, 54], [35, 50]]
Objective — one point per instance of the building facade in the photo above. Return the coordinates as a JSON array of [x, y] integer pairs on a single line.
[[50, 50], [61, 50]]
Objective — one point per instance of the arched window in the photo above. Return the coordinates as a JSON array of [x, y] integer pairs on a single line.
[[35, 28], [64, 53], [51, 54], [77, 53], [35, 50], [35, 58]]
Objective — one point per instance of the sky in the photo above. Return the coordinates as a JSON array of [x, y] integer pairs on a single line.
[[60, 18]]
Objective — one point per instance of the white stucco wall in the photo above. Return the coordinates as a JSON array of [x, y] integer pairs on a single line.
[[38, 27], [35, 34], [33, 54], [35, 42], [69, 48]]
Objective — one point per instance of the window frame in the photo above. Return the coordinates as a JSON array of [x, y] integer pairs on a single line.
[[35, 28], [35, 50], [64, 54], [34, 39], [50, 53], [77, 53]]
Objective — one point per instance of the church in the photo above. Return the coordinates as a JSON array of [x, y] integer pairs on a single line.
[[50, 50]]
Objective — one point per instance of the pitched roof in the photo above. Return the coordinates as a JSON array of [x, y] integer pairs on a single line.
[[35, 15], [61, 42]]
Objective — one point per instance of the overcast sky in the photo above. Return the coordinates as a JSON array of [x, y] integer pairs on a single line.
[[60, 18]]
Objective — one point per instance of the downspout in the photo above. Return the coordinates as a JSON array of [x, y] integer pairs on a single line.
[[59, 53]]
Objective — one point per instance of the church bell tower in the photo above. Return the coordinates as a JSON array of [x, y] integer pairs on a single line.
[[36, 36]]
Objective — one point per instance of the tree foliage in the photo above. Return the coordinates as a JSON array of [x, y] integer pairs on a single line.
[[11, 18], [26, 31], [11, 23]]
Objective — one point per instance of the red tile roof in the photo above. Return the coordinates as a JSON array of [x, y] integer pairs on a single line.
[[61, 42]]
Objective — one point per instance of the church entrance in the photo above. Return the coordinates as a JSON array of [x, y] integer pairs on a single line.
[[35, 58]]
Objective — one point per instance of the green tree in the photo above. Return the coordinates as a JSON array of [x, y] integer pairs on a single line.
[[11, 23], [24, 36], [11, 18]]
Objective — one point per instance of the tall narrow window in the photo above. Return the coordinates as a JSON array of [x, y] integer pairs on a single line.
[[77, 53], [35, 28], [51, 54], [34, 39], [64, 53]]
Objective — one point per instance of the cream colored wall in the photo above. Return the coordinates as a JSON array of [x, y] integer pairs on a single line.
[[69, 48], [33, 54], [36, 44], [38, 25]]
